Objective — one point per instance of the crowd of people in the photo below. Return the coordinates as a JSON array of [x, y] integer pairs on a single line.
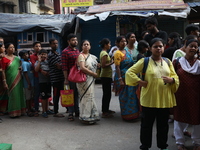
[[164, 68]]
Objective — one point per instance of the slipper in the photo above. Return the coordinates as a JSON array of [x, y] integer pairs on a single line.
[[71, 117], [58, 115], [181, 147], [36, 114], [30, 114]]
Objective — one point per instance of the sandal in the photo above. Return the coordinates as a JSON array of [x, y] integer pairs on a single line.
[[30, 114], [181, 147], [36, 114], [58, 115], [196, 147], [71, 117]]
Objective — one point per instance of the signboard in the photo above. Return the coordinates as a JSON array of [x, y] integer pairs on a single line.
[[76, 3], [138, 5]]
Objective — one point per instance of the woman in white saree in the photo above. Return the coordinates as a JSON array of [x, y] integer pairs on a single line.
[[88, 64]]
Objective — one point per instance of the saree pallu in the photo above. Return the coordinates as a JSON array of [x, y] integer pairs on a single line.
[[88, 107], [16, 102], [129, 103]]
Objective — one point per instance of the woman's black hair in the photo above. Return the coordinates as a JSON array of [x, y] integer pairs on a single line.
[[8, 44], [128, 35], [104, 42], [84, 41], [141, 45], [177, 40], [119, 38], [1, 44], [190, 41], [156, 40]]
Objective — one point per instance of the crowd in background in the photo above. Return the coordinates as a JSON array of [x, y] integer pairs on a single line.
[[164, 68]]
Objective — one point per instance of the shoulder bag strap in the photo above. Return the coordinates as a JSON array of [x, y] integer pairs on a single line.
[[146, 61]]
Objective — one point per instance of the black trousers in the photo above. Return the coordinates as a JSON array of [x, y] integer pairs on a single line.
[[106, 86], [57, 86], [149, 115]]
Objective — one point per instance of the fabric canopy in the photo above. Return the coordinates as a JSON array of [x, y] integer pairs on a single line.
[[11, 24]]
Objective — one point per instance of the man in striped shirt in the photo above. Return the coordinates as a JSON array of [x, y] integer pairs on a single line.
[[69, 56], [56, 74]]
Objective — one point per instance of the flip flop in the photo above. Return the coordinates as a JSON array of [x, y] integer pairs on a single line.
[[58, 115], [71, 117]]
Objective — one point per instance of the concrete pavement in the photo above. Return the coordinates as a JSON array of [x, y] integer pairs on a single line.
[[38, 133]]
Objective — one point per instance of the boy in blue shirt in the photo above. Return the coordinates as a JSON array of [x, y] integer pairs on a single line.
[[28, 79], [42, 67]]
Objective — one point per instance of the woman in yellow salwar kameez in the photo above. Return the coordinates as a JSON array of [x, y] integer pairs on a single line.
[[157, 94]]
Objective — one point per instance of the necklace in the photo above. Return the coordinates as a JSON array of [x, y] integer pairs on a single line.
[[156, 63]]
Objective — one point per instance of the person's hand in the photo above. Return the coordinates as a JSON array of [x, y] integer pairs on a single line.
[[121, 82], [29, 87], [2, 55], [95, 75], [66, 82], [39, 57], [143, 83], [98, 65], [45, 73], [167, 79], [5, 85]]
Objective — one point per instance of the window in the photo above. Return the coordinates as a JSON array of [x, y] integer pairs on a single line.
[[23, 6], [29, 37], [40, 36]]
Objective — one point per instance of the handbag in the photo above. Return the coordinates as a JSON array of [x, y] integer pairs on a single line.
[[67, 97], [76, 75]]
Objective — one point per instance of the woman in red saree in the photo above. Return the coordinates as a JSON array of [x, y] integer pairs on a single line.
[[3, 88]]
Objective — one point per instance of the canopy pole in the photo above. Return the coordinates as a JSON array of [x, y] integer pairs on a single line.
[[77, 25]]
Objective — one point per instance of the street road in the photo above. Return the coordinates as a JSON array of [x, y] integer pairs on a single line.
[[38, 133]]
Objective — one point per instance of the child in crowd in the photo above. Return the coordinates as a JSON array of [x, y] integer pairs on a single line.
[[33, 59], [28, 80], [42, 67], [142, 48]]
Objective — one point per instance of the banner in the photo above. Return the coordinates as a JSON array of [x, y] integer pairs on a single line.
[[76, 3]]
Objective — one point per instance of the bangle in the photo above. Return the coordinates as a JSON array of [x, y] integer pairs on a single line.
[[4, 80], [120, 78]]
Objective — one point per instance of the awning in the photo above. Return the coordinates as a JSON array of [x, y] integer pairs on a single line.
[[102, 16], [139, 5], [143, 8], [11, 24], [194, 4]]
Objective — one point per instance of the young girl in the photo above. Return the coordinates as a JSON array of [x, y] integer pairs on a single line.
[[127, 94], [106, 77], [157, 94], [142, 48]]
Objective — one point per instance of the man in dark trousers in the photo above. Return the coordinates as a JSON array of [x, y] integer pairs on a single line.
[[69, 56], [56, 74], [151, 25]]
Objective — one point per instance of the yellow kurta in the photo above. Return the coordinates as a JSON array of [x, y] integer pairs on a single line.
[[156, 94]]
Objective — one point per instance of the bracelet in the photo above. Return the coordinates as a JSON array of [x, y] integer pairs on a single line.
[[4, 80]]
